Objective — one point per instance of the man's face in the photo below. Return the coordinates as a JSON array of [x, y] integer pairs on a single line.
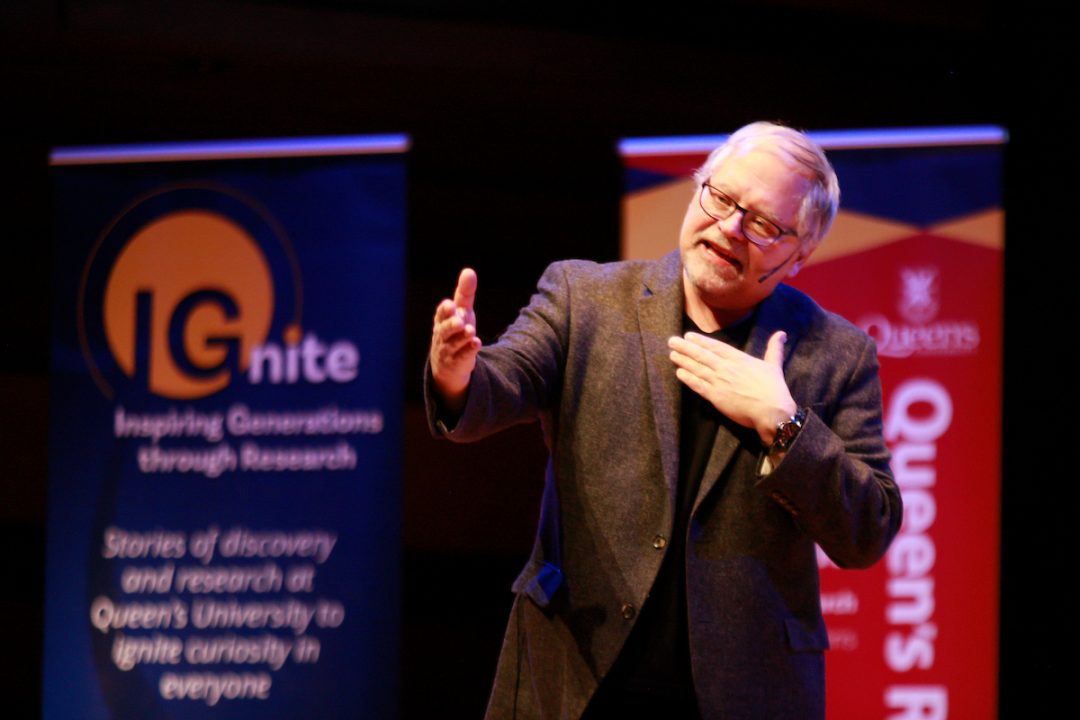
[[723, 269]]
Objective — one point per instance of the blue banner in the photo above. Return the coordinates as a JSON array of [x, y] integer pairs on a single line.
[[226, 398]]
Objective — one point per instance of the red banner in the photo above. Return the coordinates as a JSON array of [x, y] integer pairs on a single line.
[[916, 260]]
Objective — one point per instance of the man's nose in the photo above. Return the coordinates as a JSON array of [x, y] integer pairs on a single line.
[[731, 226]]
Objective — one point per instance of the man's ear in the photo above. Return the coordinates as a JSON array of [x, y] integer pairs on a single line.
[[804, 254], [797, 265]]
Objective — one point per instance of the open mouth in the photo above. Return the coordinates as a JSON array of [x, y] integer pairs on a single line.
[[718, 253]]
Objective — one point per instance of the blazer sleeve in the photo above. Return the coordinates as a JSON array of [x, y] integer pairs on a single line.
[[835, 479], [518, 377]]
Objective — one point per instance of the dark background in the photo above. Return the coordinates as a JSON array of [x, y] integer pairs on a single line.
[[514, 110]]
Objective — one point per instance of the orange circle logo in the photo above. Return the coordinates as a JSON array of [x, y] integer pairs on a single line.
[[183, 288], [199, 287]]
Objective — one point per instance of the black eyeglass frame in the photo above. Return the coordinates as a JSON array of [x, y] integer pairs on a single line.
[[706, 187]]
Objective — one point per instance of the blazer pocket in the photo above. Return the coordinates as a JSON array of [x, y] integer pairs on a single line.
[[802, 640], [540, 581]]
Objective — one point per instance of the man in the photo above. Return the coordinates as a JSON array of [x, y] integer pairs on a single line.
[[707, 426]]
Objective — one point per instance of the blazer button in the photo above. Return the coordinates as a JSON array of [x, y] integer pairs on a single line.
[[659, 542], [628, 611]]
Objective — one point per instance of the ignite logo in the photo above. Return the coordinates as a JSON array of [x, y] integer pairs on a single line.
[[194, 286], [190, 299], [920, 334]]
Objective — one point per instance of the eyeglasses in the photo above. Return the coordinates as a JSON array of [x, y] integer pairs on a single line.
[[758, 229]]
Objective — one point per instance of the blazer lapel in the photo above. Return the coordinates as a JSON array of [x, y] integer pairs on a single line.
[[660, 311], [772, 315]]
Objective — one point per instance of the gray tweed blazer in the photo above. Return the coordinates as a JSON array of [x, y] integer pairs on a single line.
[[588, 358]]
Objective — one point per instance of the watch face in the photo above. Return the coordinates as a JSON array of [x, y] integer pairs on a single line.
[[785, 434]]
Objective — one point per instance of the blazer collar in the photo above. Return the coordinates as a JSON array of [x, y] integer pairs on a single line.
[[779, 311], [660, 313]]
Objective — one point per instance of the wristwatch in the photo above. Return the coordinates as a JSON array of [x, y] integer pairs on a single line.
[[787, 431]]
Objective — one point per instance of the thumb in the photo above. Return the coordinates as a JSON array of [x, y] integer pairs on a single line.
[[465, 292], [774, 351]]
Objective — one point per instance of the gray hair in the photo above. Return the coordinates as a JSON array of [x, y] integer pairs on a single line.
[[819, 206]]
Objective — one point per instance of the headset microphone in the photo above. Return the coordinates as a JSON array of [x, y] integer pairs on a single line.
[[772, 272]]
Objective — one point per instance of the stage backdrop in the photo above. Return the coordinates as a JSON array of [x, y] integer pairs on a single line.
[[223, 531], [915, 259]]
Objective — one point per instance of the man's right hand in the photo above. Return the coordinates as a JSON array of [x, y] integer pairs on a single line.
[[454, 343]]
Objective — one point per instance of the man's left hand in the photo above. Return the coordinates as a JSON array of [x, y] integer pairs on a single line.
[[750, 391]]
